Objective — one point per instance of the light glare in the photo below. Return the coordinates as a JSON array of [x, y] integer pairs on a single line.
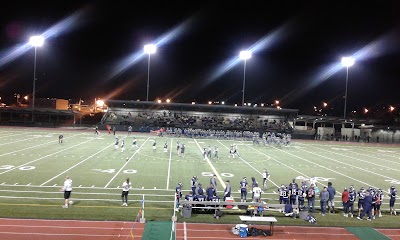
[[244, 55], [348, 61], [36, 41], [150, 48]]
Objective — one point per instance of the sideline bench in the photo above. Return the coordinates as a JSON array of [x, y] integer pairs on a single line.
[[210, 205], [270, 220]]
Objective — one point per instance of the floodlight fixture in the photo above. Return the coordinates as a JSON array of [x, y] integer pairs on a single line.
[[150, 48], [348, 61], [168, 100], [244, 55], [222, 102], [36, 41], [193, 103], [209, 102]]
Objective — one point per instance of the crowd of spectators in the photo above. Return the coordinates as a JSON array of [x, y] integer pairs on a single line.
[[168, 119]]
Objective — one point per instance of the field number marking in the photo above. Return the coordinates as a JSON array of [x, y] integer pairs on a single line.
[[24, 168], [210, 174], [112, 170]]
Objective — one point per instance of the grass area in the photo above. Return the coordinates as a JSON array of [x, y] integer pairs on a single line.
[[33, 166]]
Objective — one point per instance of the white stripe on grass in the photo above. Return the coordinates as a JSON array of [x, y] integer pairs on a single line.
[[14, 135], [379, 165], [322, 166], [269, 179], [169, 164], [84, 160], [126, 163], [343, 163], [35, 146], [17, 167], [211, 166]]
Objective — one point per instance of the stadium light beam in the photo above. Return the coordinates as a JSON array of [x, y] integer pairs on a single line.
[[244, 55], [149, 49], [35, 41], [346, 62]]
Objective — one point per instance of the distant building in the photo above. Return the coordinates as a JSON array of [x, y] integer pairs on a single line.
[[53, 103]]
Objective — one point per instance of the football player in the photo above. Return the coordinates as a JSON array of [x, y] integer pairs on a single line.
[[116, 143], [193, 183], [350, 202], [178, 194], [392, 200], [60, 138], [165, 146], [361, 196], [134, 142], [243, 189]]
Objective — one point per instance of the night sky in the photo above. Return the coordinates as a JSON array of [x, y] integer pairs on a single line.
[[299, 42]]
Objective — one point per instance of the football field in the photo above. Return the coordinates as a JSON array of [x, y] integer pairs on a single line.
[[33, 165]]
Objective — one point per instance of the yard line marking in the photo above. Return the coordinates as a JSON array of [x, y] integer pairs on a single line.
[[84, 160], [15, 183], [34, 146], [126, 163], [211, 166], [93, 186], [80, 186], [54, 185], [61, 227], [184, 231], [322, 166], [249, 165], [28, 184], [169, 164], [363, 169], [3, 183], [362, 155]]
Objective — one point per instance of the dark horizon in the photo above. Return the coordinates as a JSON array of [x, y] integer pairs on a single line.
[[300, 43]]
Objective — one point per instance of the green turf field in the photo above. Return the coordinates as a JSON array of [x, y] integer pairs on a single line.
[[33, 166]]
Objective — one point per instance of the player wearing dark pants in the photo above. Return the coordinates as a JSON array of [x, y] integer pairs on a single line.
[[392, 200], [60, 138], [367, 206], [126, 186], [67, 191], [243, 190]]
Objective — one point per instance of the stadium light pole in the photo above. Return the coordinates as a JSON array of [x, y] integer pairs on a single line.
[[244, 55], [347, 62], [149, 49], [35, 41]]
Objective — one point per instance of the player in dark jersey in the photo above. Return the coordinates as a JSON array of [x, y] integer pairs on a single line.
[[301, 193], [350, 203], [392, 200], [116, 143], [60, 138], [361, 196], [193, 183], [293, 193], [178, 194], [178, 146], [183, 150], [154, 144], [209, 152], [243, 189], [204, 153], [134, 142], [165, 146]]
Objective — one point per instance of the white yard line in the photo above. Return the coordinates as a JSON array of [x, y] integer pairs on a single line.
[[14, 135], [343, 163], [84, 160], [126, 163], [322, 166], [44, 157], [185, 230], [211, 166], [269, 179], [36, 146], [390, 168], [169, 165]]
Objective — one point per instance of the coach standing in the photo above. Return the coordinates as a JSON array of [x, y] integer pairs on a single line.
[[126, 186], [67, 191]]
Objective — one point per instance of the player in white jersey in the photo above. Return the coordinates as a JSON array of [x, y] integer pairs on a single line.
[[122, 145], [126, 186], [67, 188], [256, 193]]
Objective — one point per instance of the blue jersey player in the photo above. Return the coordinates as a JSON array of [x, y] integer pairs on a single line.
[[243, 189]]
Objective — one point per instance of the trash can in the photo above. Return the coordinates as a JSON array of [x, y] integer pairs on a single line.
[[187, 211], [242, 230]]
